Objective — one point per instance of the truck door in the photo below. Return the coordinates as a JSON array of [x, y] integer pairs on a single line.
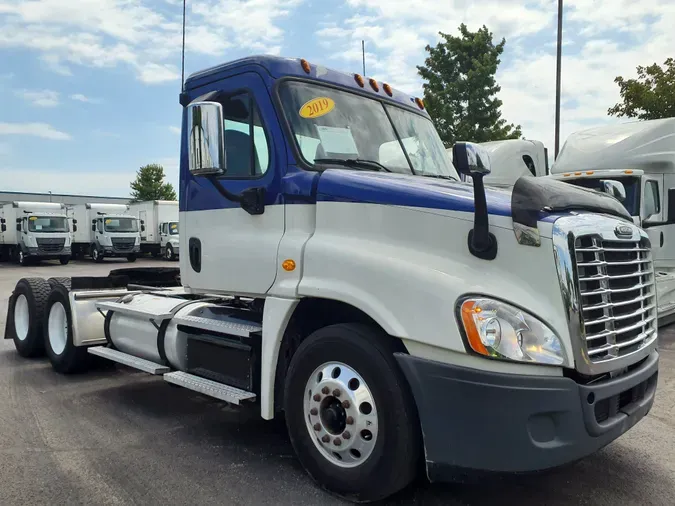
[[653, 215], [143, 218], [230, 250]]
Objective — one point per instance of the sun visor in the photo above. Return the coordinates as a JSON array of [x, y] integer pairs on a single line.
[[534, 196]]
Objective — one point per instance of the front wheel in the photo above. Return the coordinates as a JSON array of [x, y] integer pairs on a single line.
[[168, 253], [23, 258], [350, 414], [96, 254]]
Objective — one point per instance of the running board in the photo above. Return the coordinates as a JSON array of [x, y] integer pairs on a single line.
[[233, 328], [211, 388], [126, 359]]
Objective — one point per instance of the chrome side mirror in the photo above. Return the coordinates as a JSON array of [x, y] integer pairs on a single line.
[[206, 139], [471, 159], [615, 188]]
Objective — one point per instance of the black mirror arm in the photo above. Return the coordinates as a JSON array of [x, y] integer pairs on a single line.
[[252, 200], [482, 243]]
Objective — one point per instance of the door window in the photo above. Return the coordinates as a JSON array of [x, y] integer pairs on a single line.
[[652, 202], [246, 143]]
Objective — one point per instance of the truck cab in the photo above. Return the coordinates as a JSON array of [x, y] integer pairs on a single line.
[[640, 156], [169, 239], [115, 235], [337, 270], [33, 231]]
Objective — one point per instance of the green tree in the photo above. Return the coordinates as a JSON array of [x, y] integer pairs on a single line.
[[460, 88], [149, 185], [650, 96]]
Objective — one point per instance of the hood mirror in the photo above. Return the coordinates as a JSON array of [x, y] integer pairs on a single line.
[[614, 188]]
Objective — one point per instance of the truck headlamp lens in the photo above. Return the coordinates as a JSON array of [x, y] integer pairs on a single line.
[[499, 330]]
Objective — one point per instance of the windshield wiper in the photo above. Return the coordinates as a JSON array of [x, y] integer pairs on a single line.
[[355, 163], [439, 176]]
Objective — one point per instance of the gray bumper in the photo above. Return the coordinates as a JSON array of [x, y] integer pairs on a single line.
[[482, 421], [37, 253], [110, 251]]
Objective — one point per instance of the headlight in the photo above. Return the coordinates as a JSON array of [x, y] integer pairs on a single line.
[[138, 241], [499, 330]]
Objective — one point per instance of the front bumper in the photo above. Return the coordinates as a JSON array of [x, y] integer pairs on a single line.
[[111, 251], [474, 420], [38, 253]]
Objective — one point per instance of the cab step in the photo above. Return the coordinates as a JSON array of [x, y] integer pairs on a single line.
[[129, 360], [223, 326], [211, 388]]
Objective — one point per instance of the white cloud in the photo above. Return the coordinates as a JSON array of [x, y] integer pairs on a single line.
[[109, 183], [83, 98], [42, 130], [144, 36], [40, 98], [4, 149], [175, 129]]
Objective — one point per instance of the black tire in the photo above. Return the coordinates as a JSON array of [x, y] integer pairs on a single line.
[[35, 291], [96, 254], [68, 359], [60, 281], [64, 260], [168, 253], [21, 258], [394, 460], [131, 258]]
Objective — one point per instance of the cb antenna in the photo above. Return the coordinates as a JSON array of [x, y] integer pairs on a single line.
[[363, 53], [182, 56]]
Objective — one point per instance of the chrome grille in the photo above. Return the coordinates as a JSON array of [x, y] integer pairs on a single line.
[[617, 295]]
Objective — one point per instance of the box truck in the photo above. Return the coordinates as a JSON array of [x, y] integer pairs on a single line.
[[159, 219], [105, 230], [33, 231], [392, 313]]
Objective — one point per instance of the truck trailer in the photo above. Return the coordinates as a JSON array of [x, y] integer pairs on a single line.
[[392, 313], [160, 221], [105, 230], [34, 231]]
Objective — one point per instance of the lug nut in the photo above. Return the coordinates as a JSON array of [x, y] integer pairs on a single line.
[[313, 411], [346, 404], [317, 397], [337, 441], [317, 426], [326, 438], [325, 390], [336, 392], [346, 434], [350, 420]]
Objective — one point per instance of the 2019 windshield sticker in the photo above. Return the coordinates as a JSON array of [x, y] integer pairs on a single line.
[[317, 107]]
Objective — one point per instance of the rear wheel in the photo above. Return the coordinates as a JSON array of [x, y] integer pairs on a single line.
[[64, 356], [350, 415], [60, 281], [26, 308]]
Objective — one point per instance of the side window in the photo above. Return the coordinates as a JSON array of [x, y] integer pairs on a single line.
[[652, 202], [530, 164], [163, 228], [246, 148]]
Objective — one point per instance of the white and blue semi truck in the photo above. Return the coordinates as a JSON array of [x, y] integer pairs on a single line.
[[336, 269]]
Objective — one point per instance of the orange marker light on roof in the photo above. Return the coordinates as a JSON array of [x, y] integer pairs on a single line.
[[419, 103], [627, 171], [589, 172], [373, 84], [387, 89], [577, 173], [568, 174], [359, 80], [305, 65]]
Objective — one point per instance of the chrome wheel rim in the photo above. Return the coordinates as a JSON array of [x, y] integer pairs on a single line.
[[340, 414]]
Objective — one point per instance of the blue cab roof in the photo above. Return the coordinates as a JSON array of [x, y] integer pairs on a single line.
[[278, 67]]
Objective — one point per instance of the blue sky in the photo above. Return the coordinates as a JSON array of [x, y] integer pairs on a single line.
[[89, 88]]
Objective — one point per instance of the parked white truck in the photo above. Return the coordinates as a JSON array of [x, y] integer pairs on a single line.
[[393, 313], [159, 219], [105, 230], [34, 231]]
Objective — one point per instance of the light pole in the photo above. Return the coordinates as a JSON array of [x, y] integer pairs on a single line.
[[557, 79]]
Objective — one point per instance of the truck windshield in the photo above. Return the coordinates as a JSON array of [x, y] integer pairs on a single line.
[[121, 224], [630, 183], [173, 228], [47, 224], [334, 124]]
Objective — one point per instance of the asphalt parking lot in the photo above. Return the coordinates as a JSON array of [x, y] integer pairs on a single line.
[[116, 436]]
